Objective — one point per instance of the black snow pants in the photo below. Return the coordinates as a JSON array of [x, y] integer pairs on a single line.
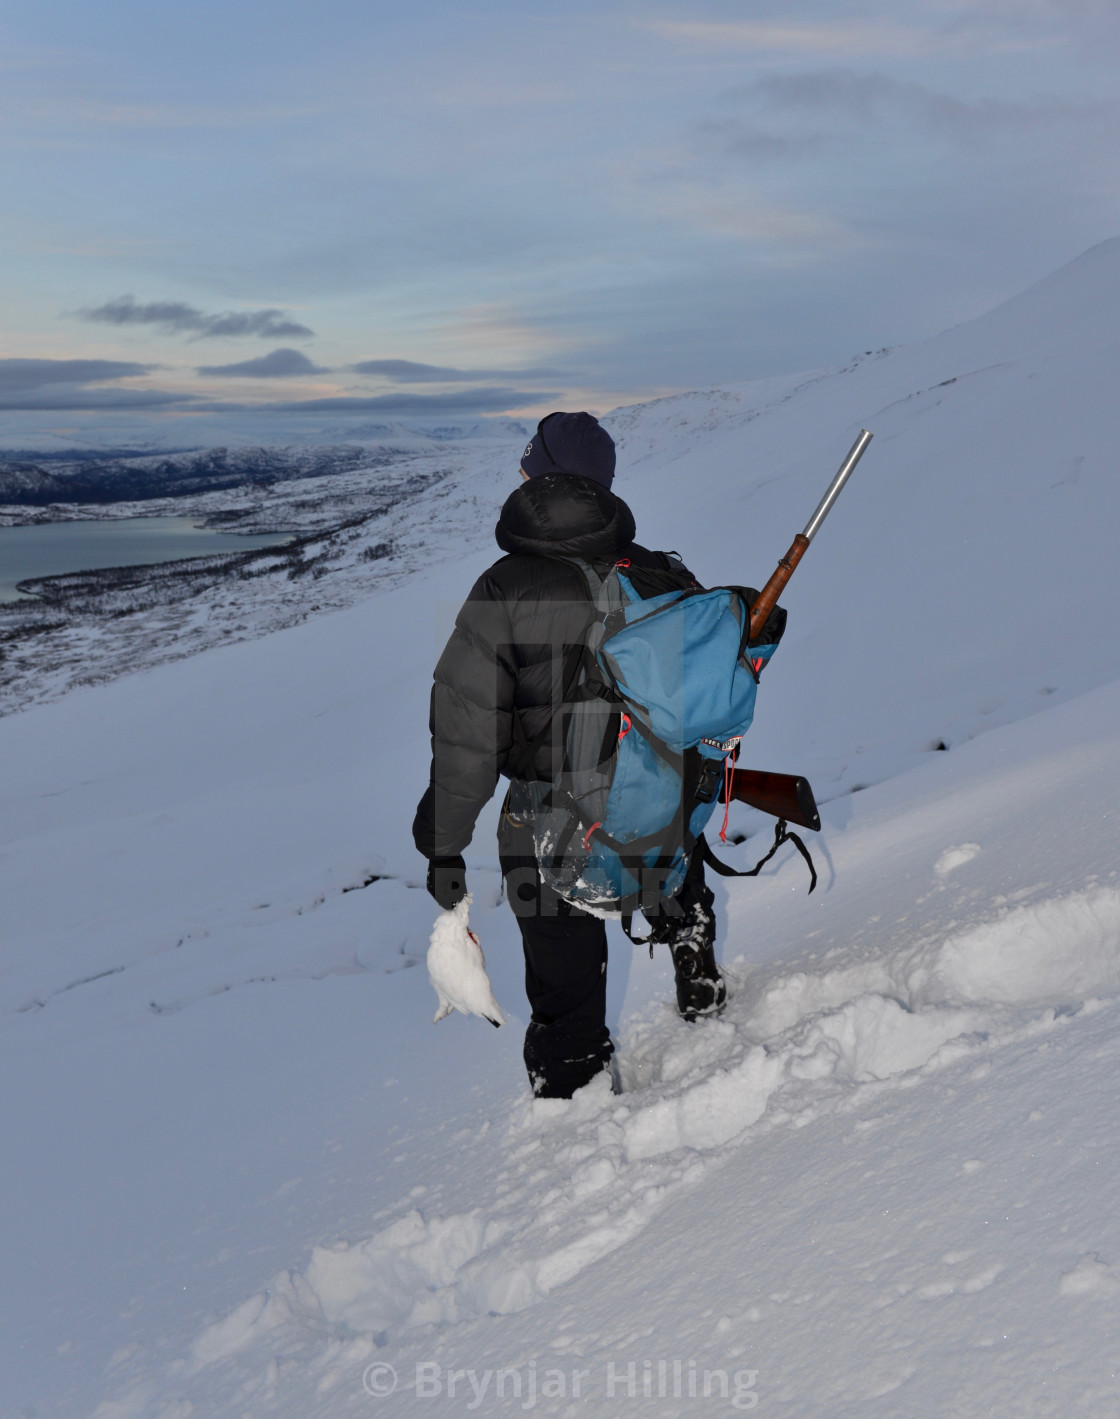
[[567, 1043]]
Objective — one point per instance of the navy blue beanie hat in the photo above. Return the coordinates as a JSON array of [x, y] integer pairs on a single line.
[[570, 443]]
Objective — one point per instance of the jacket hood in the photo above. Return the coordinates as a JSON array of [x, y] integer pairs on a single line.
[[562, 515]]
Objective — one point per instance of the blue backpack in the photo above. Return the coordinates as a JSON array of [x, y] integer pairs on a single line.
[[654, 704]]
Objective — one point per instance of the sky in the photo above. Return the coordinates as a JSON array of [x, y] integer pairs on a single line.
[[455, 210]]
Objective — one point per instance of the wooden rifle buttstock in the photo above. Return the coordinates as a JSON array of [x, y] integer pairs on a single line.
[[786, 796]]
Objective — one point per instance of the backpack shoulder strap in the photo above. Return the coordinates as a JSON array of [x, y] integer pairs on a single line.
[[520, 763], [590, 575]]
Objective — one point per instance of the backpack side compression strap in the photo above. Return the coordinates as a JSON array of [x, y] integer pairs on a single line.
[[782, 835]]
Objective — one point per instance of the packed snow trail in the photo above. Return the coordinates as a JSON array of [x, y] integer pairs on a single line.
[[928, 1245], [790, 1051]]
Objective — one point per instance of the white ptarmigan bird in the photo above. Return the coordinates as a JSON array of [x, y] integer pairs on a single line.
[[457, 968]]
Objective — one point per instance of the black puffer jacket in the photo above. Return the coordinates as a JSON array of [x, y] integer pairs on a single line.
[[499, 679]]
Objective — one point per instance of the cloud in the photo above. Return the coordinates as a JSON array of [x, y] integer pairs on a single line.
[[866, 97], [75, 397], [972, 29], [755, 140], [80, 384], [793, 36], [65, 384], [177, 318], [800, 115], [276, 365], [17, 376], [409, 372], [468, 401]]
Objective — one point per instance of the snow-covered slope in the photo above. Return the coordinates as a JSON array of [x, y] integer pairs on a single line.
[[968, 573], [882, 1184], [243, 1167]]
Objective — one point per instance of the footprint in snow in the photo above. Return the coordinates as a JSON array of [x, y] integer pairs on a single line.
[[954, 857]]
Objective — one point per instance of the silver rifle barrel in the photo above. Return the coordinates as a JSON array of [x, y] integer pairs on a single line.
[[837, 484]]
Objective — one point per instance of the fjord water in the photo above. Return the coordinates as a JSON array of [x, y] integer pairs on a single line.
[[53, 548]]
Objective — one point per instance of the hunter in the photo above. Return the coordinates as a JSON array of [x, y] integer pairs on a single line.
[[497, 692]]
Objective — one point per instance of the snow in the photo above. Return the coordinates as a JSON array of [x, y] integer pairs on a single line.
[[245, 1175], [1090, 1277], [954, 857]]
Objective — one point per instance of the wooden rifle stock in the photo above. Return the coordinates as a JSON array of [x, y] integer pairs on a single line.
[[768, 596], [785, 796]]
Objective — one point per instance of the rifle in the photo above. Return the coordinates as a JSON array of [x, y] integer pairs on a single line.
[[788, 796], [768, 596]]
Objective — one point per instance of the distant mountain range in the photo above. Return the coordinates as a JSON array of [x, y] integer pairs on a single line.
[[129, 477], [38, 477]]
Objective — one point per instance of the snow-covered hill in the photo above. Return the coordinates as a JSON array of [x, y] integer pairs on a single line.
[[967, 576], [243, 1168]]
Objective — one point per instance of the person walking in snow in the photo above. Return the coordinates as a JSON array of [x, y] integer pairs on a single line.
[[496, 695]]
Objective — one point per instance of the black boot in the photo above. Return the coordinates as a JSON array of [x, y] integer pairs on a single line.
[[700, 987], [690, 935], [556, 1072]]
